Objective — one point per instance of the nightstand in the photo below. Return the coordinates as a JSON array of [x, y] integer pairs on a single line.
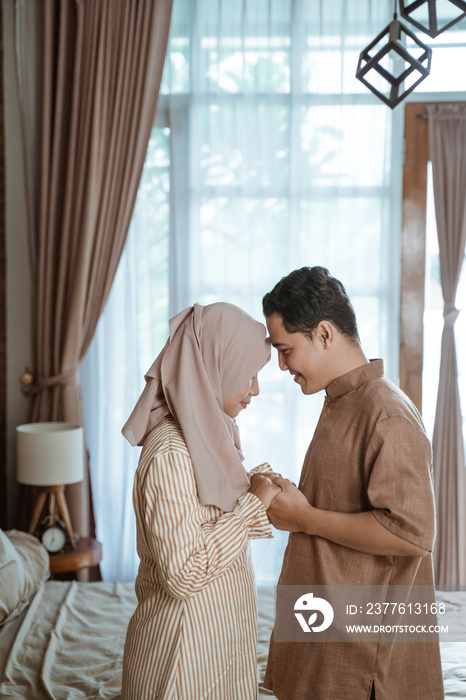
[[87, 553]]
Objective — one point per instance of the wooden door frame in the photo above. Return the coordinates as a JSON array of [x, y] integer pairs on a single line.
[[413, 250]]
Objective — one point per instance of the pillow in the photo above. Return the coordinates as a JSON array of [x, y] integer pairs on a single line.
[[24, 565]]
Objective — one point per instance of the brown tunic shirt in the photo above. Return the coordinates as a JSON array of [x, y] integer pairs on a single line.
[[369, 452]]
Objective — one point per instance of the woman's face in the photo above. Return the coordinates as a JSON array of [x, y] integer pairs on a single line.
[[241, 400]]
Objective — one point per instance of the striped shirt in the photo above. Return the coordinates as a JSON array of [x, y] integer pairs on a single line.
[[194, 632]]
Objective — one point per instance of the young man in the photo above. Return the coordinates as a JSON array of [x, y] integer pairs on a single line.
[[363, 513]]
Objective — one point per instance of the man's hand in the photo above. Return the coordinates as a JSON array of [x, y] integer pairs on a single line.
[[264, 488], [290, 509]]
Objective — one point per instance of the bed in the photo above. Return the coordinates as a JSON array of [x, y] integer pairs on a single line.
[[64, 639]]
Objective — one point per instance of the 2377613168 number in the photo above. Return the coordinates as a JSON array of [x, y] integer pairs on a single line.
[[405, 608]]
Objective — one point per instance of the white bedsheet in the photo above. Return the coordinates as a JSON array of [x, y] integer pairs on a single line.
[[454, 653], [69, 643]]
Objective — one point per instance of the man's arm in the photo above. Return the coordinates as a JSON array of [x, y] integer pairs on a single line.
[[290, 510]]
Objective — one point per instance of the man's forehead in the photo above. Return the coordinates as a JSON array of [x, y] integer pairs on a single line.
[[279, 336]]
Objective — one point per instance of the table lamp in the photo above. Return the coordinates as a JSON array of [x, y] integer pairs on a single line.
[[49, 456]]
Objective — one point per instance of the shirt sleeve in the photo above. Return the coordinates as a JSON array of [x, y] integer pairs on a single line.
[[261, 469], [400, 484], [192, 543]]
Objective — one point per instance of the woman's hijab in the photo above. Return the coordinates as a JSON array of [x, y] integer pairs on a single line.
[[212, 352]]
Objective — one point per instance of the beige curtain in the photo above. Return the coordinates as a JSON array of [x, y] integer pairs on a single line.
[[101, 67], [447, 145]]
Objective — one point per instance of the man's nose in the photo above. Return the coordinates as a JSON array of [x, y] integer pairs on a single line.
[[282, 362]]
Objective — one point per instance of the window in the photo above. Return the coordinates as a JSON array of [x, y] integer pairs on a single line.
[[263, 162]]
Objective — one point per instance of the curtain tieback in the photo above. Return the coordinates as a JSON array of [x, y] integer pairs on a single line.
[[44, 383], [450, 314]]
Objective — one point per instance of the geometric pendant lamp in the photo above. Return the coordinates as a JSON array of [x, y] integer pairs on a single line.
[[387, 68], [433, 16]]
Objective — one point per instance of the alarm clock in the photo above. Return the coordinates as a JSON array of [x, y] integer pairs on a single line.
[[52, 534]]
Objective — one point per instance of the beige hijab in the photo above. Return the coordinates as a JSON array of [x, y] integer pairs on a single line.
[[212, 352]]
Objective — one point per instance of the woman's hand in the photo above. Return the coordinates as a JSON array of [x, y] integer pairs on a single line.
[[264, 488], [291, 511]]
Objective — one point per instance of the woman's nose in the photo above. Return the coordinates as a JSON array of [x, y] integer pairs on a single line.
[[254, 390]]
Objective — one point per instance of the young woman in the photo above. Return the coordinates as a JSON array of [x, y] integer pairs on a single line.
[[194, 632]]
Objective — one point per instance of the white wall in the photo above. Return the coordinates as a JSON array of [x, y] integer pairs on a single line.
[[18, 282]]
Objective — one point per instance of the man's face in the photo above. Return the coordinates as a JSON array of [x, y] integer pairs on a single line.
[[305, 359]]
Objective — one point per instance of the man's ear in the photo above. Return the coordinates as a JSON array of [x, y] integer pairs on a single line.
[[325, 333]]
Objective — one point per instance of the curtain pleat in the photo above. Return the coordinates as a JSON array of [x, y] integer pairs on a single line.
[[447, 144], [102, 63]]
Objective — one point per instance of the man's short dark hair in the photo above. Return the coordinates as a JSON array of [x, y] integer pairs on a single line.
[[308, 296]]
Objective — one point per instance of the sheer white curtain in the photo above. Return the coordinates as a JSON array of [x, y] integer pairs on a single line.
[[270, 155]]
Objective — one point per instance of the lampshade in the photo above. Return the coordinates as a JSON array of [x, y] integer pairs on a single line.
[[50, 453]]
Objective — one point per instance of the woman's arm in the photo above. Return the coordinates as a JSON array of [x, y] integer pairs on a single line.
[[192, 543]]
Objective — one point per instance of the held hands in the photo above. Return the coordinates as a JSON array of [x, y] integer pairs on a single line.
[[290, 510], [264, 488], [287, 508]]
